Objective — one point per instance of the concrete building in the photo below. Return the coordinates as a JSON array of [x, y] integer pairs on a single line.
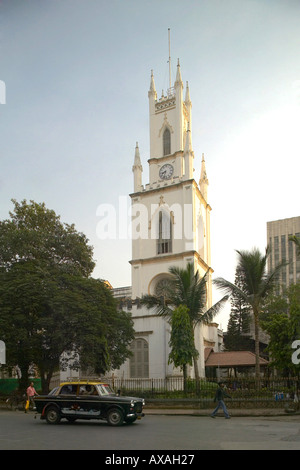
[[283, 249], [170, 227]]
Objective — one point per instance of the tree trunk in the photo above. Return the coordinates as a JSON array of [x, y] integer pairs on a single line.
[[46, 377], [184, 368], [256, 334], [24, 379], [196, 368], [46, 371], [197, 378]]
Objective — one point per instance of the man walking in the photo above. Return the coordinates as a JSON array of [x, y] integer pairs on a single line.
[[31, 392], [219, 397]]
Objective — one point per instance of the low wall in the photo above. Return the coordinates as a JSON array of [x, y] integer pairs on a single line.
[[203, 404]]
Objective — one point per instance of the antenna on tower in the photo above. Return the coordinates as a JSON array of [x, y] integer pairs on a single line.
[[170, 84]]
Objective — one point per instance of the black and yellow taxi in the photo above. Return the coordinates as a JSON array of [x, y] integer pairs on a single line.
[[88, 400]]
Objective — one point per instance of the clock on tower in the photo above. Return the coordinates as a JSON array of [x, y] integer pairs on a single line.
[[166, 171]]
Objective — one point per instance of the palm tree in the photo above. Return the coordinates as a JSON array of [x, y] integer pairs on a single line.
[[296, 240], [257, 284], [187, 288]]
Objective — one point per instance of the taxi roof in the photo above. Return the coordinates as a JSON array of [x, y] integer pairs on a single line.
[[83, 382]]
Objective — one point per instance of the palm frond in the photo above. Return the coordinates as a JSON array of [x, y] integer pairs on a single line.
[[186, 288], [209, 315], [271, 278], [160, 305], [229, 288]]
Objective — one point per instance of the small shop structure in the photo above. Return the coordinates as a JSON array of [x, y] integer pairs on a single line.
[[231, 363]]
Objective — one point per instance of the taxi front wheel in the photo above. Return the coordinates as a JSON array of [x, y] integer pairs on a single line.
[[115, 417]]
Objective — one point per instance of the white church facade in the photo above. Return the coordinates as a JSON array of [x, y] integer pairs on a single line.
[[170, 227]]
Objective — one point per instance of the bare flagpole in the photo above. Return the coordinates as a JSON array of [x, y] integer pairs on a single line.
[[170, 84]]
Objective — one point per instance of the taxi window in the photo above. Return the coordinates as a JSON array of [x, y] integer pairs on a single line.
[[104, 389], [69, 389], [88, 390]]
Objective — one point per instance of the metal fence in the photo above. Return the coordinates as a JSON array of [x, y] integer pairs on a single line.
[[246, 388]]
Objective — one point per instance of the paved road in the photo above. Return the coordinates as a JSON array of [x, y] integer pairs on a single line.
[[20, 431]]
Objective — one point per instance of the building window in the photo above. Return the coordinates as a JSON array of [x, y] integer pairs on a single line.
[[164, 241], [297, 261], [283, 259], [167, 142], [291, 260], [162, 288], [139, 362]]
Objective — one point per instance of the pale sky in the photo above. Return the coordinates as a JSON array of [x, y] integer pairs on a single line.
[[77, 75]]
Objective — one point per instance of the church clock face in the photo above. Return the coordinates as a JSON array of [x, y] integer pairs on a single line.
[[166, 171]]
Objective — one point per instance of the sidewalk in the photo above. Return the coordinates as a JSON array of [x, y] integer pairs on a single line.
[[234, 412]]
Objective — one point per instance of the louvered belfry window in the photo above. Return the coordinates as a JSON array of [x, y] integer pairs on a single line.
[[164, 241], [167, 142]]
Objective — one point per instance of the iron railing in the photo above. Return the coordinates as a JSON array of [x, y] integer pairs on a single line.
[[245, 388]]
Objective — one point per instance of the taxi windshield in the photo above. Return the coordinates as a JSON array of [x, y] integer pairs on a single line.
[[104, 389]]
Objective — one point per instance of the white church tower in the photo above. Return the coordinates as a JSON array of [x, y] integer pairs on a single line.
[[170, 227]]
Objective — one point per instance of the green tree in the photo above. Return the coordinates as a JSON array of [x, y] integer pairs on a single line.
[[49, 303], [239, 320], [21, 297], [182, 340], [34, 232], [258, 283], [187, 288], [281, 320]]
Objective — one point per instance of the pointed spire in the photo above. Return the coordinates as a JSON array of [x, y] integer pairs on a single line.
[[178, 76], [188, 140], [137, 158], [152, 90], [203, 183], [187, 94], [203, 176], [188, 154], [137, 169]]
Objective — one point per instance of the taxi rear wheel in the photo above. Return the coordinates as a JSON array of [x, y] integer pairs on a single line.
[[53, 415], [115, 417]]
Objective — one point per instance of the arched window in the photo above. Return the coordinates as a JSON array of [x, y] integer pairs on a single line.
[[166, 142], [164, 239], [139, 361], [163, 286]]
